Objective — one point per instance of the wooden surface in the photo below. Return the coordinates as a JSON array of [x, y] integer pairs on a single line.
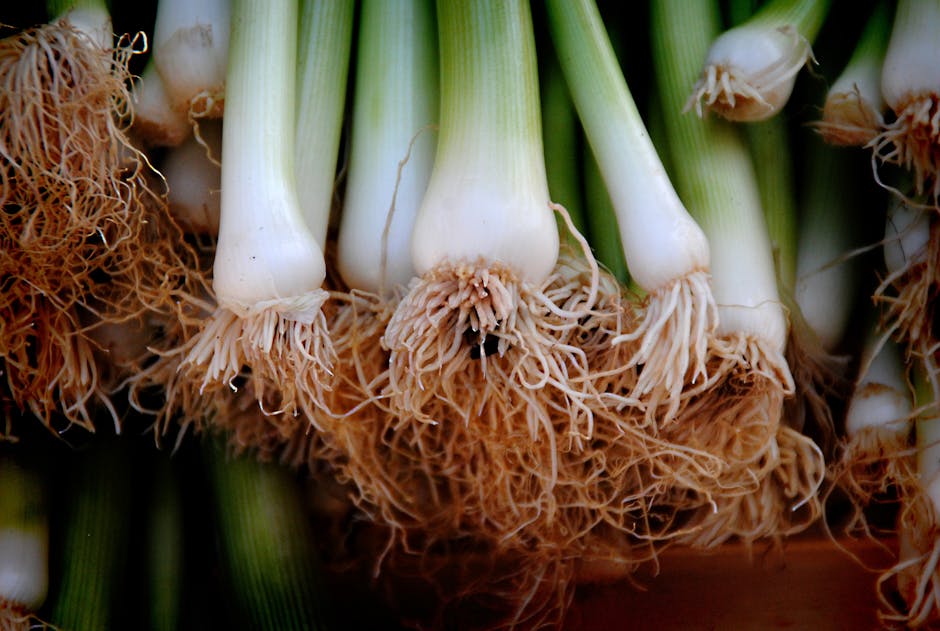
[[810, 585]]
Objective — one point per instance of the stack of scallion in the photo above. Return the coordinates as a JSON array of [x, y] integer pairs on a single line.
[[530, 292]]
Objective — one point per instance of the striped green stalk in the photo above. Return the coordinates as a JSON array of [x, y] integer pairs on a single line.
[[395, 105], [95, 532], [267, 544], [165, 548], [715, 176], [323, 45], [560, 136], [770, 148], [827, 281], [603, 234]]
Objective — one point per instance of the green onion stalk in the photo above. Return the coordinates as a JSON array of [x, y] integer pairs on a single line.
[[749, 71], [770, 471], [908, 291], [24, 542], [94, 536], [268, 331], [493, 315], [916, 575], [877, 455], [267, 545], [392, 145], [89, 240], [392, 148], [853, 113], [667, 254], [909, 85]]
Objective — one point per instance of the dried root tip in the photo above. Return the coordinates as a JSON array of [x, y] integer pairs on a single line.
[[49, 364], [740, 356], [916, 576], [785, 503], [873, 461], [451, 322], [819, 379], [912, 141], [15, 618], [285, 361], [848, 120], [673, 342], [748, 94], [734, 417], [447, 305]]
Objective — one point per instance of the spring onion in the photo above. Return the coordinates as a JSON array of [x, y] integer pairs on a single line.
[[485, 241], [95, 532], [666, 252], [24, 543], [156, 123], [909, 83], [878, 428], [190, 52], [853, 113], [917, 572], [395, 102], [193, 178], [718, 177], [269, 266], [749, 71], [267, 544]]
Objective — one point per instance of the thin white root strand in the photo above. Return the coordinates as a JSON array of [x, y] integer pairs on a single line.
[[288, 357], [673, 344]]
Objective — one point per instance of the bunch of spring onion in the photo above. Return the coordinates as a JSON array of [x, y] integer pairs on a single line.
[[749, 70], [88, 241], [475, 429]]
